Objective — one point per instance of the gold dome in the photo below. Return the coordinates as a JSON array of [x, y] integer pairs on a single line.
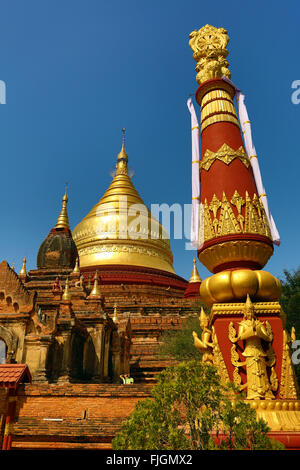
[[104, 238]]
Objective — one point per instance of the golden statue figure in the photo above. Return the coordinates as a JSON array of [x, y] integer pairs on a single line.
[[257, 337], [204, 345]]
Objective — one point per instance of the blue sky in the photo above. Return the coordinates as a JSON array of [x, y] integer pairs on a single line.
[[78, 71]]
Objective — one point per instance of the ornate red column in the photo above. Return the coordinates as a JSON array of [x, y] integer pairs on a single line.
[[248, 341]]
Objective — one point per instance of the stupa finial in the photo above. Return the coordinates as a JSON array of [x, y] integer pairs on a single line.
[[63, 219], [23, 272], [96, 289], [76, 269], [195, 277], [122, 160], [67, 294]]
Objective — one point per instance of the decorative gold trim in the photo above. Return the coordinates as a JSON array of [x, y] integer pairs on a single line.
[[236, 309], [219, 362], [226, 155], [227, 220], [204, 93], [275, 405], [215, 106], [215, 94], [288, 384], [219, 118], [280, 415], [119, 248], [254, 221]]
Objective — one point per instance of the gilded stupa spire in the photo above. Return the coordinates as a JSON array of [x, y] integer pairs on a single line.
[[63, 219], [23, 272], [122, 159], [67, 294], [96, 289], [195, 277], [76, 270]]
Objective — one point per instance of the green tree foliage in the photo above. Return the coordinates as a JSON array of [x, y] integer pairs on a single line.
[[179, 344], [290, 302], [190, 409], [290, 298]]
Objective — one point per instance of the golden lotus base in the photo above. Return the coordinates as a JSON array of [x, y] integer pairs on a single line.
[[280, 415], [248, 251], [232, 286]]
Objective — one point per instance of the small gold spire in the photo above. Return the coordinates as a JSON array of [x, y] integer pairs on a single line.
[[67, 293], [115, 317], [96, 289], [23, 272], [13, 266], [76, 270], [122, 160], [63, 219], [195, 275]]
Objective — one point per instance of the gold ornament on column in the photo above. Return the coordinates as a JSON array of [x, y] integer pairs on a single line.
[[209, 47]]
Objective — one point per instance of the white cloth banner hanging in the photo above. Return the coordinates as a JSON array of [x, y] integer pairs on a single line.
[[196, 206], [251, 152]]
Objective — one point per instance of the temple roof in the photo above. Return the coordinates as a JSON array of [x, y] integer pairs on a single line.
[[13, 374]]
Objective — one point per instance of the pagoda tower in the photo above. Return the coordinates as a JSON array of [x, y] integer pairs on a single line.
[[250, 344], [123, 241]]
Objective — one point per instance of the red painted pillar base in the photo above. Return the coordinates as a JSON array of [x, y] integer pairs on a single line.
[[11, 410]]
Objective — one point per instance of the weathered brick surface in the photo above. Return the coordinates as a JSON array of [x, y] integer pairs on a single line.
[[3, 401], [89, 414]]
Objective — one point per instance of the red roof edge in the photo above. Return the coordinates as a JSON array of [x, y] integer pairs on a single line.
[[11, 375]]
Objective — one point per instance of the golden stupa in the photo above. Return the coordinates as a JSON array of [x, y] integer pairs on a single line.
[[120, 229]]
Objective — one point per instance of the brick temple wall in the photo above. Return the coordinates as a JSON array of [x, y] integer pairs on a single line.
[[77, 416]]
